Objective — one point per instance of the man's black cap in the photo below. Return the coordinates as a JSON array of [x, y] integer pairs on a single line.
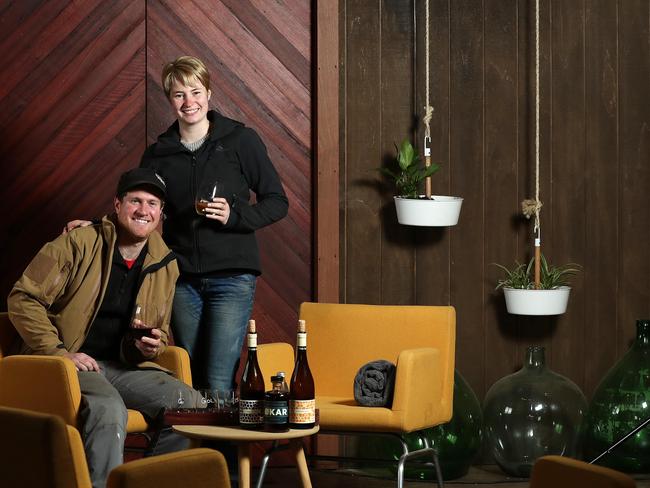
[[144, 179]]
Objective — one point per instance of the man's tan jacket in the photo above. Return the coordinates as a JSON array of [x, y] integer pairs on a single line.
[[56, 299]]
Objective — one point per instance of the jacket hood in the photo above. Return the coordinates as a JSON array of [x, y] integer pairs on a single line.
[[169, 142]]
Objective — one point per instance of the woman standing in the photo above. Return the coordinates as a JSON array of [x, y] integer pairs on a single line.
[[217, 251]]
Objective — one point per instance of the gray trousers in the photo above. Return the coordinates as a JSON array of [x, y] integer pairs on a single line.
[[105, 397]]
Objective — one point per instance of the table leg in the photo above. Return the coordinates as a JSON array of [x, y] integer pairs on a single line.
[[244, 455], [301, 462]]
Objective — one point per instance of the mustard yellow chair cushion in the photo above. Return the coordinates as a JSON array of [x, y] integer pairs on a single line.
[[40, 451], [341, 338], [564, 472], [201, 468]]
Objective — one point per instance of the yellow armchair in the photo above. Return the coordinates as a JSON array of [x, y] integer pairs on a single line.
[[564, 472], [49, 384], [39, 450], [420, 340]]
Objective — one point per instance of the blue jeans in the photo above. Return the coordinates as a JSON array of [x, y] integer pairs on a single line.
[[209, 319]]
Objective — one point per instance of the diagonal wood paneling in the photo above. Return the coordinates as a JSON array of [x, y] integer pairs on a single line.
[[73, 92], [258, 54]]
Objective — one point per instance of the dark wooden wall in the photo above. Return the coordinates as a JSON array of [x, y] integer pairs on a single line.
[[82, 99], [595, 169]]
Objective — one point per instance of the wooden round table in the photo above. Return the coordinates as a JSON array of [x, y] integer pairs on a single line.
[[243, 438]]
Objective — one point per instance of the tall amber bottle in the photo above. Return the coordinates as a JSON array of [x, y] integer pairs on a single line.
[[251, 390], [302, 394]]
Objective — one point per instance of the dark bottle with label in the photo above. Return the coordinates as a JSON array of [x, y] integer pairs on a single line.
[[276, 407], [302, 395], [251, 390]]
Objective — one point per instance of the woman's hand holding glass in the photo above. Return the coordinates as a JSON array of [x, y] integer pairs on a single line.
[[210, 202]]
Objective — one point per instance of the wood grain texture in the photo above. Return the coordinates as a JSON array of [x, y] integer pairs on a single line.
[[594, 170], [327, 153], [74, 92], [634, 166], [602, 224], [501, 154], [396, 124], [467, 171], [567, 187], [362, 231]]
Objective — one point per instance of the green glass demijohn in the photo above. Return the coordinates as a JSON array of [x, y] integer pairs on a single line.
[[457, 442], [532, 413], [621, 403]]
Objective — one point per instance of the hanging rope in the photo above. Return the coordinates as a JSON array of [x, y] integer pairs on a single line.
[[533, 207], [428, 109], [529, 207]]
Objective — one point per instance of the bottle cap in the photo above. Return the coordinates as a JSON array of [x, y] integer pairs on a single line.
[[251, 327], [301, 326], [276, 379]]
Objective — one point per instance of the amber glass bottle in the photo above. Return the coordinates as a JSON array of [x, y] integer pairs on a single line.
[[302, 402], [251, 391]]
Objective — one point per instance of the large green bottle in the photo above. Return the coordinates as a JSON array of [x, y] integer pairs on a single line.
[[622, 402]]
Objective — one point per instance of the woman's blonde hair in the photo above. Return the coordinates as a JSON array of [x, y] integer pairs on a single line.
[[185, 70]]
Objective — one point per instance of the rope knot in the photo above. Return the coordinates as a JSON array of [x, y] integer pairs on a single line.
[[531, 207], [428, 115]]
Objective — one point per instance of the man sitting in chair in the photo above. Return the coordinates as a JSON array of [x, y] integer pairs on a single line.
[[77, 299]]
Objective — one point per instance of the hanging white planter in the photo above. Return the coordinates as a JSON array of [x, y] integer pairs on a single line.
[[440, 211], [537, 302]]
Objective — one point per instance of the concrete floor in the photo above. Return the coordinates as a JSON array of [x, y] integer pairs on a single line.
[[478, 476]]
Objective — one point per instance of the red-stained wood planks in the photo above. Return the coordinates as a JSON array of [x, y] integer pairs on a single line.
[[74, 92]]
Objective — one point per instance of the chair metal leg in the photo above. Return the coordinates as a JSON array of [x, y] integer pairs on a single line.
[[427, 451], [436, 462], [424, 452]]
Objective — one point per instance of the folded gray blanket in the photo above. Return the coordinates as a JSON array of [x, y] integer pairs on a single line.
[[374, 384]]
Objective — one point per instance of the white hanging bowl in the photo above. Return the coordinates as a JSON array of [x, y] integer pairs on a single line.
[[440, 211], [537, 302]]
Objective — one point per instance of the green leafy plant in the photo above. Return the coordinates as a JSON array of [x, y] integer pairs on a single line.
[[409, 174], [522, 276]]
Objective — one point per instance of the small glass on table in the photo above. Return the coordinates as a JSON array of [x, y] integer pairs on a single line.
[[224, 403], [205, 407]]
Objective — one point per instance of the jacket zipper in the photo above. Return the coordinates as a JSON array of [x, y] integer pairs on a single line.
[[195, 233]]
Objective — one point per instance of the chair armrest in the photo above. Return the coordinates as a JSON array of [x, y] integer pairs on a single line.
[[419, 382], [177, 360], [46, 384], [274, 357], [79, 463]]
